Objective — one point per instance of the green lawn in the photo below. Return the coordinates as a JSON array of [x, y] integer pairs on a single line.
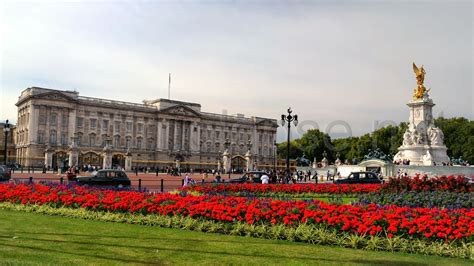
[[30, 238]]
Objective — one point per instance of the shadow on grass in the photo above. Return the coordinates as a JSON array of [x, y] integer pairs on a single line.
[[221, 253], [164, 239]]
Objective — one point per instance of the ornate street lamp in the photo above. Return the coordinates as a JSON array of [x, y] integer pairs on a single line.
[[6, 130], [275, 146], [287, 119]]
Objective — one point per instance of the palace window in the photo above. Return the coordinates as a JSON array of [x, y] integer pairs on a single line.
[[150, 144], [40, 137], [105, 125], [104, 139], [79, 139], [93, 123], [91, 140], [52, 137], [117, 126], [63, 139], [140, 127], [42, 119], [127, 142], [116, 141], [129, 127], [79, 122], [218, 134], [64, 120], [54, 119], [139, 143]]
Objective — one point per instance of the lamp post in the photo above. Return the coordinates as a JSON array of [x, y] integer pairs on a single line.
[[275, 146], [287, 119], [6, 130], [227, 146]]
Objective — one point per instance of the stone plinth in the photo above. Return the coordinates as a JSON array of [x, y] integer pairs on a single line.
[[422, 141]]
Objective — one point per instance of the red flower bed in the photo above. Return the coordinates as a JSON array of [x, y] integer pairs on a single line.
[[284, 188], [394, 185], [423, 223], [424, 183]]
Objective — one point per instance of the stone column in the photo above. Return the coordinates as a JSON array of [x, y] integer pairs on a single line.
[[248, 157], [194, 140], [255, 141], [226, 161], [128, 161], [48, 157], [72, 123], [183, 136], [73, 153], [159, 137], [33, 124], [107, 155], [175, 136]]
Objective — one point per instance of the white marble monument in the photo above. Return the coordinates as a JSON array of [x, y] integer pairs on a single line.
[[422, 141]]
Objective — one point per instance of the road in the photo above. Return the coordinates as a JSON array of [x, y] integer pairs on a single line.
[[150, 181]]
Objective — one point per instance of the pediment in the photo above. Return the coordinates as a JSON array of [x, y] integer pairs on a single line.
[[53, 95], [268, 123], [180, 110]]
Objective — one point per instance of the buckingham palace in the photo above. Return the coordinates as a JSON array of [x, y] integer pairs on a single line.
[[57, 128]]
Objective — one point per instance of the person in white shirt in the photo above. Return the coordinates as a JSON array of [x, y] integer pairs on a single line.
[[264, 179]]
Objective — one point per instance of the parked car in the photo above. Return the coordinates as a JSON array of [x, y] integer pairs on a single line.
[[360, 178], [106, 177], [5, 173], [252, 177], [14, 166]]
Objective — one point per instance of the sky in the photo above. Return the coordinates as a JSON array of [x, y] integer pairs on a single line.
[[343, 66]]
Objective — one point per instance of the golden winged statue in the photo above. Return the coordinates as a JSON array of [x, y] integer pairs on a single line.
[[420, 90]]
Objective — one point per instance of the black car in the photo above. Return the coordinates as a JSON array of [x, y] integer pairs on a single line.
[[360, 178], [252, 177], [107, 177], [5, 173]]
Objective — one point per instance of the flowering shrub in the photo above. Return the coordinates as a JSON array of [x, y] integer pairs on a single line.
[[393, 185], [429, 199], [269, 189], [424, 183], [391, 221]]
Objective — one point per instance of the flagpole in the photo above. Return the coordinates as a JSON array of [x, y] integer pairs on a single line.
[[169, 86]]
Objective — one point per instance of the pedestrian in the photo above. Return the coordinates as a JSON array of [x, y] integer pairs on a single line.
[[186, 181], [264, 178], [328, 175]]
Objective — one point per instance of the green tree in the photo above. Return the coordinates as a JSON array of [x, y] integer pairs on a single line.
[[314, 143]]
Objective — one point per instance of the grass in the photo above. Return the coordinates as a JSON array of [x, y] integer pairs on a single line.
[[30, 238]]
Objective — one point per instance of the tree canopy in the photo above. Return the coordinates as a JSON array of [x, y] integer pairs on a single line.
[[458, 132]]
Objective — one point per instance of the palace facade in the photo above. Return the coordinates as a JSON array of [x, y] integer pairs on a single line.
[[57, 128]]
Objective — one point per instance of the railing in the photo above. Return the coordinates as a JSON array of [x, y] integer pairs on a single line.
[[140, 184], [106, 101]]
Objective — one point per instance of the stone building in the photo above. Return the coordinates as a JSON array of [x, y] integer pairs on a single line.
[[56, 128]]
